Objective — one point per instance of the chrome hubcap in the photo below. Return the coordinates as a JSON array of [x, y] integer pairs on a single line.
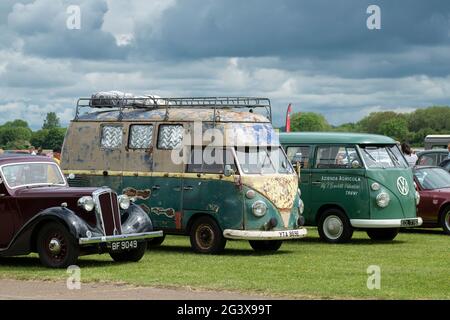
[[54, 246], [333, 227]]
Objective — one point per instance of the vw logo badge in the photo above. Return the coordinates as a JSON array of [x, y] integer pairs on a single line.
[[402, 186]]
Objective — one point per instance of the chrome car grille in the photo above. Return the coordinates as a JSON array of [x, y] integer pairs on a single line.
[[107, 212]]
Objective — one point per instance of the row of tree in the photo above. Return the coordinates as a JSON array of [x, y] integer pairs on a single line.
[[18, 135], [410, 127]]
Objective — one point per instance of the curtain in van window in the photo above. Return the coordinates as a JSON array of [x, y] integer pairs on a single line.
[[170, 136], [111, 137], [141, 136]]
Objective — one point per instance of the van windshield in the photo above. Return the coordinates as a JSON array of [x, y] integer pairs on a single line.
[[387, 156], [263, 160]]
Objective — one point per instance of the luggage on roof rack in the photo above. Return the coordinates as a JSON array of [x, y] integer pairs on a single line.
[[121, 101]]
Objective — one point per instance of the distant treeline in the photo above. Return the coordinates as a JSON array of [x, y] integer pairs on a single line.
[[405, 127], [15, 135]]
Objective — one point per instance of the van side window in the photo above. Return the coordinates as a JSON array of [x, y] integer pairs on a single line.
[[299, 154], [111, 137], [208, 160], [170, 136], [337, 157], [141, 136]]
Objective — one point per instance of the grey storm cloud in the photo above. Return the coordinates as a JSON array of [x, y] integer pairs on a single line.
[[319, 28], [42, 27]]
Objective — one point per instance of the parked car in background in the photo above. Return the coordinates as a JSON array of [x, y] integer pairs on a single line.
[[445, 165], [40, 213], [437, 141], [433, 184], [353, 181], [431, 157]]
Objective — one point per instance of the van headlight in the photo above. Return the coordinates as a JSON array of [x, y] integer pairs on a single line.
[[259, 208], [383, 199], [87, 203], [124, 201], [301, 206], [417, 198]]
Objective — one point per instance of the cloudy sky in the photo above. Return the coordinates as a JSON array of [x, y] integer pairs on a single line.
[[317, 54]]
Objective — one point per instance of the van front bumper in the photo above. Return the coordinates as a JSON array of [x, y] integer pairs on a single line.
[[386, 223], [122, 237], [264, 235]]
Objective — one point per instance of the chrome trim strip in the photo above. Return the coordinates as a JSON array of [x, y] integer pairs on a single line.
[[265, 235], [383, 223], [122, 237]]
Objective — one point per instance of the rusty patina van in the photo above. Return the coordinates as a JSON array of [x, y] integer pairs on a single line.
[[155, 151]]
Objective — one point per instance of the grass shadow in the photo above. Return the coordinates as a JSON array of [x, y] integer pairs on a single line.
[[423, 231], [226, 252], [34, 262], [357, 241]]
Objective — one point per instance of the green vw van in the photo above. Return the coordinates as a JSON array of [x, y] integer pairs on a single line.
[[353, 181], [158, 152]]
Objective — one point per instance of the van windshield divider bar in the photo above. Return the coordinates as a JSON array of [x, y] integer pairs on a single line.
[[151, 103]]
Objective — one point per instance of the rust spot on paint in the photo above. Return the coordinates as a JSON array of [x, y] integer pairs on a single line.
[[168, 212], [140, 194], [178, 220], [145, 208]]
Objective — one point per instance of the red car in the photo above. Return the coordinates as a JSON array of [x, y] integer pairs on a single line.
[[40, 213], [433, 184]]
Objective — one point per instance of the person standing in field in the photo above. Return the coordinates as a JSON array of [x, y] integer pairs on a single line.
[[57, 155], [410, 156]]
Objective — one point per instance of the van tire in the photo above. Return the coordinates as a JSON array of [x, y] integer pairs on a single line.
[[444, 220], [155, 242], [67, 244], [265, 245], [334, 226], [206, 236], [133, 255], [382, 234]]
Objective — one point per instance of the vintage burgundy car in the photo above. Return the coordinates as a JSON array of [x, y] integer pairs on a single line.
[[433, 184], [40, 213]]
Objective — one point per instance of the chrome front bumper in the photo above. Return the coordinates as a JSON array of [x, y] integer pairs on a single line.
[[386, 223], [122, 237], [264, 235]]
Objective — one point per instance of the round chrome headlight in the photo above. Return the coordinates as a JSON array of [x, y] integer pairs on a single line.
[[383, 199], [301, 206], [375, 186], [417, 198], [259, 208], [87, 203], [124, 201]]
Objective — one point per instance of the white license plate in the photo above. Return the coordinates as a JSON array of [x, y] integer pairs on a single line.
[[289, 233], [409, 222], [124, 245]]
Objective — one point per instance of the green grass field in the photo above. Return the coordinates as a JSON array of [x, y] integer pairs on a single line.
[[414, 266]]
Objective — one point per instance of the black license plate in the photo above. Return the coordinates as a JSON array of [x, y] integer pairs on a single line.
[[124, 245], [409, 222]]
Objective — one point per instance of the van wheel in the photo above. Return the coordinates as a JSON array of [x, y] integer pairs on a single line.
[[133, 255], [265, 245], [334, 226], [155, 242], [445, 220], [383, 234], [56, 247], [206, 236]]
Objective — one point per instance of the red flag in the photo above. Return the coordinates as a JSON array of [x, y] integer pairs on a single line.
[[288, 118]]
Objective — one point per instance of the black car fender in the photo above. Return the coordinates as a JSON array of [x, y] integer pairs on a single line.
[[24, 242], [136, 220]]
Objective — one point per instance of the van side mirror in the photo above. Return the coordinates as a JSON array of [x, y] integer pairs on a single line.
[[228, 171]]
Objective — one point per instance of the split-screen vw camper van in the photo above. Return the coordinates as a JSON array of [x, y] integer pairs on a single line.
[[210, 168], [353, 181]]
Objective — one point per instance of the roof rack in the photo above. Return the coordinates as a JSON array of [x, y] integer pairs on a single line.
[[150, 102]]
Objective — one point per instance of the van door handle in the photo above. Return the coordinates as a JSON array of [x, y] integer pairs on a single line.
[[188, 188], [316, 182], [156, 187]]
